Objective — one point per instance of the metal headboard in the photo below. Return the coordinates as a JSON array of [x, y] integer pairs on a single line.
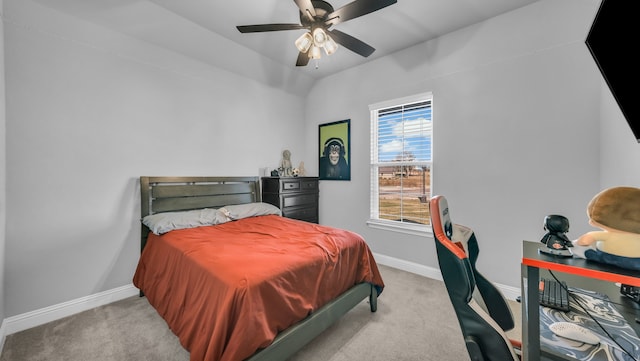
[[170, 194]]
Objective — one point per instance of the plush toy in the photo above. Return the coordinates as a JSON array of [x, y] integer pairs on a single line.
[[616, 211]]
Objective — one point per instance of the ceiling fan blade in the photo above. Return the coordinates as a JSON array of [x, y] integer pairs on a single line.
[[355, 9], [303, 59], [306, 7], [351, 43], [268, 27]]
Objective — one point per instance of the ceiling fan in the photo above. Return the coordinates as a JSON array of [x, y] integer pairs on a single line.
[[318, 16]]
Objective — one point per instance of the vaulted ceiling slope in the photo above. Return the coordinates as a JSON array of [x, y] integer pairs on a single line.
[[206, 29]]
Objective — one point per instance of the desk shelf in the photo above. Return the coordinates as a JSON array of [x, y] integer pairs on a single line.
[[581, 273]]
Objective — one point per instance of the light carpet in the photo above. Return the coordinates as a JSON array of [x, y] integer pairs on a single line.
[[414, 321]]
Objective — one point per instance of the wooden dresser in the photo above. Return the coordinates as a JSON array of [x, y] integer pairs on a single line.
[[297, 197]]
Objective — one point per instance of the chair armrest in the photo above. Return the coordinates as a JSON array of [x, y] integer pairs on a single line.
[[517, 347]]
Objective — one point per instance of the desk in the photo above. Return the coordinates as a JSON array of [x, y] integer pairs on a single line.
[[591, 275]]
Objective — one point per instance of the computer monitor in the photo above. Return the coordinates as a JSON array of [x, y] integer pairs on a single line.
[[612, 41]]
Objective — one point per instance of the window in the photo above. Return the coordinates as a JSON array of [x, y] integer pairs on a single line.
[[401, 137]]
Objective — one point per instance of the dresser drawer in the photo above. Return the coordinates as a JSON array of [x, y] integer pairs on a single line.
[[309, 185], [309, 214], [299, 200], [290, 186], [298, 185]]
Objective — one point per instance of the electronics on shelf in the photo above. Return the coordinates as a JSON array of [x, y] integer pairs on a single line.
[[554, 294], [574, 332]]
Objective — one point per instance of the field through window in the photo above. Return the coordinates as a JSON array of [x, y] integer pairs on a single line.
[[404, 196]]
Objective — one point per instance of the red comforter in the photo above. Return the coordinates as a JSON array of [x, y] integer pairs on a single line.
[[228, 290]]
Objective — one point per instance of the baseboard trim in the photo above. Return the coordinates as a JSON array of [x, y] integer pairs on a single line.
[[408, 266], [2, 335], [509, 292], [41, 316], [35, 318]]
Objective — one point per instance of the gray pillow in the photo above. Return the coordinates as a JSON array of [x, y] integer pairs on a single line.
[[239, 211], [160, 223]]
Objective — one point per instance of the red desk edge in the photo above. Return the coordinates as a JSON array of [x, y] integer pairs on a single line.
[[582, 271]]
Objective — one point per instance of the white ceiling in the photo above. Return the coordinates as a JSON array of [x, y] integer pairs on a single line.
[[187, 26]]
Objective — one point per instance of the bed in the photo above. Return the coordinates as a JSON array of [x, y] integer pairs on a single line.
[[240, 282]]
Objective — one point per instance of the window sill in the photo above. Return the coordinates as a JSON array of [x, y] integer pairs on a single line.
[[413, 229]]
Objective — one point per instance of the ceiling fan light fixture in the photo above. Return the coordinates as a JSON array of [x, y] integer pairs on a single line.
[[330, 46], [304, 42], [319, 37], [314, 53], [317, 16]]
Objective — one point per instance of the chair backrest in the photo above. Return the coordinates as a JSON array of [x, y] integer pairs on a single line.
[[482, 311]]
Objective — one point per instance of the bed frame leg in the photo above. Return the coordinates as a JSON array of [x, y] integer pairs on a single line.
[[373, 299]]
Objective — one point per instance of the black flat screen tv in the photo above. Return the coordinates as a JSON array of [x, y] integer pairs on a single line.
[[613, 40]]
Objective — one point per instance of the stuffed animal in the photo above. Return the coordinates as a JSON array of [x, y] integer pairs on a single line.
[[616, 211]]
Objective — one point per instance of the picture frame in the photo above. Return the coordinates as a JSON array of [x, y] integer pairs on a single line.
[[335, 150]]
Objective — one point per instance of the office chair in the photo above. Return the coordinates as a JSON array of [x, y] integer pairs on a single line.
[[482, 311]]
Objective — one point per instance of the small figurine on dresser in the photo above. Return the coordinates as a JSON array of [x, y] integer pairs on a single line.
[[286, 170], [301, 171]]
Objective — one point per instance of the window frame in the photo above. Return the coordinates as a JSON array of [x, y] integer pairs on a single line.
[[378, 223]]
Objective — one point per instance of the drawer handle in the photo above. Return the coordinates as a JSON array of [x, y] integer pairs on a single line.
[[291, 185]]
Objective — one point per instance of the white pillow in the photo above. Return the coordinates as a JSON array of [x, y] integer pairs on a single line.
[[239, 211], [160, 223]]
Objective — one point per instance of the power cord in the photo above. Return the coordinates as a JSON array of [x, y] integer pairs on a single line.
[[579, 303]]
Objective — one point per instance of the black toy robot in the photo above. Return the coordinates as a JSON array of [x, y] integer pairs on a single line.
[[556, 239]]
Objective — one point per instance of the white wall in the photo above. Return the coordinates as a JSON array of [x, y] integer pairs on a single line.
[[3, 168], [88, 112], [516, 112]]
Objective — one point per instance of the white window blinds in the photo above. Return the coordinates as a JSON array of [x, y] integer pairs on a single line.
[[401, 158]]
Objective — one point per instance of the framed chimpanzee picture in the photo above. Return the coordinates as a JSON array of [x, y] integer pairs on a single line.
[[335, 150]]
